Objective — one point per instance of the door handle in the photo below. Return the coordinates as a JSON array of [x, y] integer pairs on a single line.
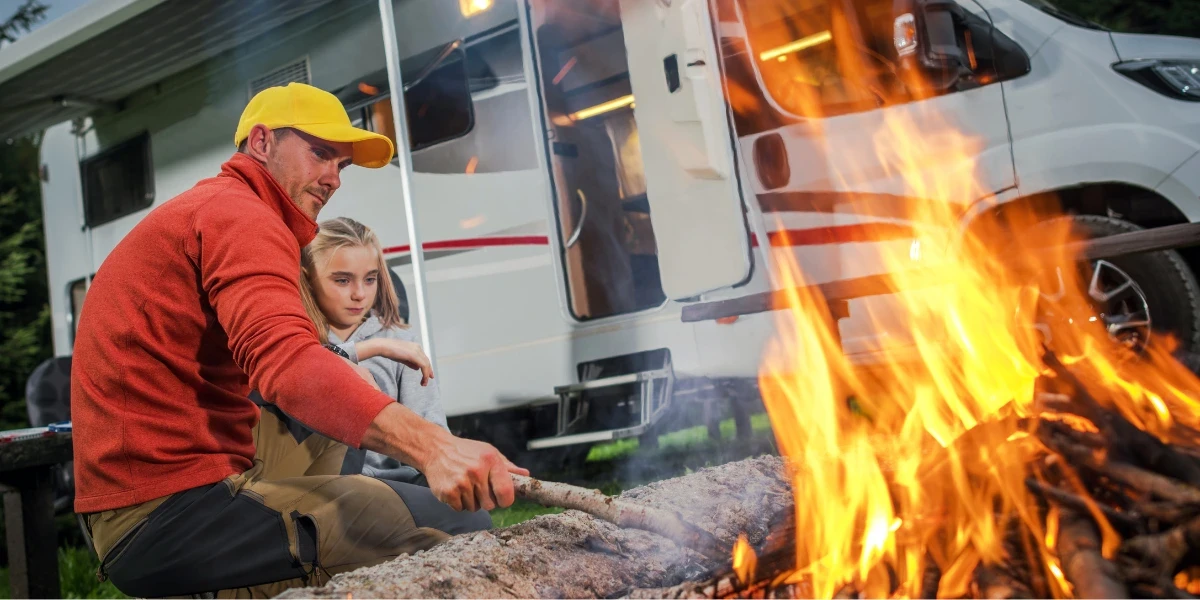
[[582, 216]]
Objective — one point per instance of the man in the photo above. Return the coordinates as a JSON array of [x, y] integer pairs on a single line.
[[185, 489]]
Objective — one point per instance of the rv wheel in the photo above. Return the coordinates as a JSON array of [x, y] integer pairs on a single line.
[[1141, 295]]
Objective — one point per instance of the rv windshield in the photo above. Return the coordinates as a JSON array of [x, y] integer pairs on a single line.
[[1057, 12]]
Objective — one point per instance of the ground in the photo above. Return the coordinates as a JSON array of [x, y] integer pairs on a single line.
[[610, 467]]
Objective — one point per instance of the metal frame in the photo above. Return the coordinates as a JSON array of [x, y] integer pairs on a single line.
[[404, 157], [655, 391]]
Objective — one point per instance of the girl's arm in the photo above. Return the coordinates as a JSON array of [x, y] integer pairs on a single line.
[[421, 398], [409, 354]]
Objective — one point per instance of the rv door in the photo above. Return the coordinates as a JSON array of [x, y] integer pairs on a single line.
[[686, 139]]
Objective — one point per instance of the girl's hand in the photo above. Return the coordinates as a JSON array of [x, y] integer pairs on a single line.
[[409, 354]]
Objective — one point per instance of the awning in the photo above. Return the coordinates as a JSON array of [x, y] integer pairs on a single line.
[[101, 53]]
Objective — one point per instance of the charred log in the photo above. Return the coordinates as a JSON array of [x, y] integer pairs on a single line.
[[1079, 549]]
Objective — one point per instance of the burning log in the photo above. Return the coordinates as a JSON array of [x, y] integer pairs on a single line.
[[1083, 565], [1119, 507]]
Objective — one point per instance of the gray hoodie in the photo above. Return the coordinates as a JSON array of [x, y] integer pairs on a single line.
[[398, 381]]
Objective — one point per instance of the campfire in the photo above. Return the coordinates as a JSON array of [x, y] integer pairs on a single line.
[[1024, 447]]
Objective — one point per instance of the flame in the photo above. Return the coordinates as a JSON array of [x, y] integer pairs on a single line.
[[745, 561], [925, 459]]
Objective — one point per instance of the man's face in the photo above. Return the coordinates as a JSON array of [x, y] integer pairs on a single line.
[[309, 169]]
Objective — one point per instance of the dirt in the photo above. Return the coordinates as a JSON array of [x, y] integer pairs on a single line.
[[574, 555]]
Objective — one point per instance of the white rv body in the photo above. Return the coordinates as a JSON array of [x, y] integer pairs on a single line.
[[499, 276]]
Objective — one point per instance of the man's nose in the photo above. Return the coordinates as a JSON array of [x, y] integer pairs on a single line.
[[331, 178]]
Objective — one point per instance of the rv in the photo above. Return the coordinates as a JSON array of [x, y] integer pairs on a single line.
[[573, 173]]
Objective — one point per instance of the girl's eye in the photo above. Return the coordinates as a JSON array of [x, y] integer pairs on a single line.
[[341, 281], [371, 280]]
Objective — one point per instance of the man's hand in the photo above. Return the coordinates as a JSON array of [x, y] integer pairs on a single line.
[[470, 475], [409, 354], [465, 474]]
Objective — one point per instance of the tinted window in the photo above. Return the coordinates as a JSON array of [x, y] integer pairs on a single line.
[[1058, 12], [438, 106], [118, 181]]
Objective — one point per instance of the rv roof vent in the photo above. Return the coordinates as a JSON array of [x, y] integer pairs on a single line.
[[292, 72]]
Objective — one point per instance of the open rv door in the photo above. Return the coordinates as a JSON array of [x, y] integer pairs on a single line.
[[687, 147]]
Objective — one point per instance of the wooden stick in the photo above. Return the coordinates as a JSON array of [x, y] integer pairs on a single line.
[[1068, 500], [1146, 481], [623, 514], [996, 583], [931, 579], [1155, 557], [1083, 565]]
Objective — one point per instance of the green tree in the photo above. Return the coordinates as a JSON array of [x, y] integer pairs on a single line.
[[26, 16], [24, 301], [1175, 17]]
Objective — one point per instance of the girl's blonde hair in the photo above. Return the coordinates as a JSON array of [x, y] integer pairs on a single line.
[[344, 232]]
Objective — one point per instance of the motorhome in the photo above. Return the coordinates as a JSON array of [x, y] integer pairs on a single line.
[[575, 172]]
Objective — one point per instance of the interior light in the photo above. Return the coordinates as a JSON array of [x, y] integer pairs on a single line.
[[600, 109], [798, 45], [471, 8]]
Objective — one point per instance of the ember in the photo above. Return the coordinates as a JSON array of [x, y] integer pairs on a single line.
[[1025, 449]]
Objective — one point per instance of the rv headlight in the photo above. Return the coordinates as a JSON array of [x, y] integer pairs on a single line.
[[1178, 79]]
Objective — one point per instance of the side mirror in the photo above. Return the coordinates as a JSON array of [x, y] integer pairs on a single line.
[[926, 34]]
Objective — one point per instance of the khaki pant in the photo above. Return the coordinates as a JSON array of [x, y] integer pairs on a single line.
[[289, 521]]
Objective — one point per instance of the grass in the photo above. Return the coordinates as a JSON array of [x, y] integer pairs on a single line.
[[678, 453], [76, 576]]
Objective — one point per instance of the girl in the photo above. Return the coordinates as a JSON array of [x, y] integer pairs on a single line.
[[349, 295]]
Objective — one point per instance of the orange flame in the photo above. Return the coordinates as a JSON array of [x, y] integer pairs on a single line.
[[925, 458], [745, 561]]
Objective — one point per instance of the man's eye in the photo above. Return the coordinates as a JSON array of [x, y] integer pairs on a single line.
[[321, 154]]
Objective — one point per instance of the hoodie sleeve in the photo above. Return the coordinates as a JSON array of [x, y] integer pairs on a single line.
[[423, 400], [250, 271], [351, 351]]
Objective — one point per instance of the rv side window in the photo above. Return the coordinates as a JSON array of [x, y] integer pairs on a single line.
[[76, 291], [118, 181], [824, 58], [439, 106]]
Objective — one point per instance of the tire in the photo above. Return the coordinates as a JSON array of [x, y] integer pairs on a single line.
[[1170, 288]]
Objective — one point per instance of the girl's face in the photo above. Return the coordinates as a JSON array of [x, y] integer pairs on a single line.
[[345, 285]]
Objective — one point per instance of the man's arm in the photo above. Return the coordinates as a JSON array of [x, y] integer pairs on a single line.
[[466, 474], [250, 275], [250, 269]]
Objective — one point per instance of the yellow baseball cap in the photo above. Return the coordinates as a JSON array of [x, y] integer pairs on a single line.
[[317, 113]]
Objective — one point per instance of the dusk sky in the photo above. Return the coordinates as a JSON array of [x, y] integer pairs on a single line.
[[57, 8]]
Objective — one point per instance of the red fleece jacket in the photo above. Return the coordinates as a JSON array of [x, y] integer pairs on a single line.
[[198, 305]]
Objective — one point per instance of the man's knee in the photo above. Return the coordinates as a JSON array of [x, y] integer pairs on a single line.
[[428, 511], [480, 520]]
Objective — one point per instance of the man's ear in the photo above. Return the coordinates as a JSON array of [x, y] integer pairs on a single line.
[[260, 143]]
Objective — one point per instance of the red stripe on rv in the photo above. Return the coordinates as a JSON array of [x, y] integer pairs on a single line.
[[482, 242], [816, 236]]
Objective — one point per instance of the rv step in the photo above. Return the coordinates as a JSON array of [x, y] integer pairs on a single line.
[[597, 384], [654, 392], [590, 437]]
